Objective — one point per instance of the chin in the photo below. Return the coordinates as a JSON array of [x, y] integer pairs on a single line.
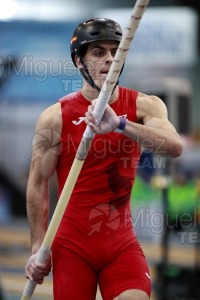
[[100, 82]]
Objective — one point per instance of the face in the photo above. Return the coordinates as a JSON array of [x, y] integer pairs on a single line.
[[98, 59]]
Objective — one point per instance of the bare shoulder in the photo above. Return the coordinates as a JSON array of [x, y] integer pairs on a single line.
[[51, 118], [149, 106]]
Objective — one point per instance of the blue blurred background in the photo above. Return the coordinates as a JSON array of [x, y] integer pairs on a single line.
[[36, 70]]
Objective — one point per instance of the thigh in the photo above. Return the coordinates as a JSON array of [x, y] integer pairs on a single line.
[[128, 271], [73, 278]]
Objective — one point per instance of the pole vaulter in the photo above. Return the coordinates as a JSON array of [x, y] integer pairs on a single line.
[[87, 138]]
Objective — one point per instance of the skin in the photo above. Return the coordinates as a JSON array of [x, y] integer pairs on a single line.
[[154, 132]]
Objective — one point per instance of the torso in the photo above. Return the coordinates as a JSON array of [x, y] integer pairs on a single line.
[[109, 169], [97, 222]]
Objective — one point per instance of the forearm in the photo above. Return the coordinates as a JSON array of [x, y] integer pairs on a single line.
[[156, 134], [38, 213], [161, 141]]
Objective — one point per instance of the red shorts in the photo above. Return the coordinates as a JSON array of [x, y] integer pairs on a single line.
[[111, 258]]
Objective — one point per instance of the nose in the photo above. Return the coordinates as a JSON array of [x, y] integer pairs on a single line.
[[109, 57]]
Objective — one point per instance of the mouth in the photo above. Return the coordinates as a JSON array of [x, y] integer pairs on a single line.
[[104, 72]]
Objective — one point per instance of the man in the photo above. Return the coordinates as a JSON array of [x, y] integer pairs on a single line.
[[95, 243]]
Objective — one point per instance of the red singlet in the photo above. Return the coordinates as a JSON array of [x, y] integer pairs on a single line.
[[96, 241]]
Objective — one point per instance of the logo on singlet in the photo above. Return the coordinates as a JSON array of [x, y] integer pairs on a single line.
[[81, 119], [148, 275]]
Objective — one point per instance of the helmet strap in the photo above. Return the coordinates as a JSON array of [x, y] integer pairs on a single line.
[[86, 75]]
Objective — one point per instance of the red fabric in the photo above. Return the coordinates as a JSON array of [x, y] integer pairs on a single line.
[[96, 239], [109, 169], [97, 246]]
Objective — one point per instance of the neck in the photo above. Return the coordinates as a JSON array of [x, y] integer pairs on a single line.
[[90, 93]]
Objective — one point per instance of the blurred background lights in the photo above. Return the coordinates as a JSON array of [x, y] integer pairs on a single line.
[[8, 9], [41, 10]]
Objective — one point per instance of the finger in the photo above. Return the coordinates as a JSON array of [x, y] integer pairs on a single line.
[[28, 276], [91, 113], [90, 108], [92, 127], [38, 276], [93, 103], [39, 267], [90, 118], [38, 279], [28, 272], [41, 271]]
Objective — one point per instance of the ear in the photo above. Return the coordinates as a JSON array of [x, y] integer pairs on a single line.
[[78, 62]]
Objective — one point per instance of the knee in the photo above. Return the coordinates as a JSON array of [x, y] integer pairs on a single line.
[[122, 297], [132, 295]]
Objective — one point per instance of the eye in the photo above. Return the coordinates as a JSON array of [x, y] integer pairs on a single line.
[[113, 52], [99, 53]]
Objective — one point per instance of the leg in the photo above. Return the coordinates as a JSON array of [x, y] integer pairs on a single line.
[[73, 278], [132, 295], [126, 277]]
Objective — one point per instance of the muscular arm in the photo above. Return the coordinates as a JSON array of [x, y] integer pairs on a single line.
[[43, 164], [45, 151], [156, 133]]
